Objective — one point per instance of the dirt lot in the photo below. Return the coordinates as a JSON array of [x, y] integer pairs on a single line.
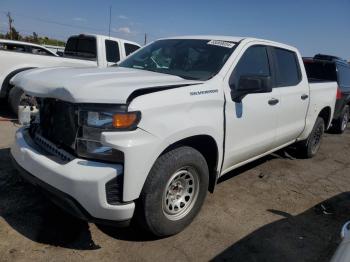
[[276, 209]]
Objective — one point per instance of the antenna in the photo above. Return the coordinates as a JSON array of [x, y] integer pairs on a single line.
[[10, 23], [110, 21]]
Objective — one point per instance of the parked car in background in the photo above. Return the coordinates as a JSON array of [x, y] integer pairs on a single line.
[[54, 48], [331, 68], [157, 131], [83, 50], [24, 47]]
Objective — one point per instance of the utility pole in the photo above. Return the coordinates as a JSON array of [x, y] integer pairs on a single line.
[[145, 39], [110, 21], [10, 23]]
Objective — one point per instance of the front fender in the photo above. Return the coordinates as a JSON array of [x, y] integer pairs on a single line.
[[141, 150]]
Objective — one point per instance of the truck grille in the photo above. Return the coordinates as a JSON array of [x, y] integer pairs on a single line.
[[52, 149], [59, 123]]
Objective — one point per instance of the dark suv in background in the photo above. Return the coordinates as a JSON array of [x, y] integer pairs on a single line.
[[332, 68]]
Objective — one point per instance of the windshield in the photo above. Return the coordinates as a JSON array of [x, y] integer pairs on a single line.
[[189, 59]]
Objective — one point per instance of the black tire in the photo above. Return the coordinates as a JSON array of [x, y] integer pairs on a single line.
[[154, 212], [17, 97], [311, 145], [340, 124]]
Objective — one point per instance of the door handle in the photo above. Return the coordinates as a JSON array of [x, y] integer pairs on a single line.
[[273, 101], [304, 96]]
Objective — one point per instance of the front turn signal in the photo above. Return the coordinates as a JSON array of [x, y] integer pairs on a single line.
[[126, 120]]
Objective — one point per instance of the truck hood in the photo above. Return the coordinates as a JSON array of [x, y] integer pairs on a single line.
[[93, 85]]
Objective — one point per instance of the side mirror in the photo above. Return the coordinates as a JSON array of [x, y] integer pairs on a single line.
[[250, 84], [59, 53]]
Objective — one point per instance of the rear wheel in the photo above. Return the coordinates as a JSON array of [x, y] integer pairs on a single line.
[[341, 123], [311, 145], [174, 192]]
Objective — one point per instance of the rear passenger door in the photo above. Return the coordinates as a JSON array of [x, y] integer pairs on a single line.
[[293, 92]]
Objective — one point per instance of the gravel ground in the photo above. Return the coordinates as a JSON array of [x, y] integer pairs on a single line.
[[275, 209]]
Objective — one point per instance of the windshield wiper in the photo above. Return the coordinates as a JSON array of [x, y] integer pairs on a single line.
[[188, 77]]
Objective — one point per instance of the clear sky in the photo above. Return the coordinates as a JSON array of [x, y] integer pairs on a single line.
[[313, 26]]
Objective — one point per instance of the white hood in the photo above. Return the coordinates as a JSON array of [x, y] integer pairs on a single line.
[[92, 85]]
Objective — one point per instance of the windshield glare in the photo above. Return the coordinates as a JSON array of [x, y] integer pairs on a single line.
[[189, 59]]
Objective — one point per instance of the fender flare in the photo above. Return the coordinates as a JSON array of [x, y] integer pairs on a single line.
[[6, 86]]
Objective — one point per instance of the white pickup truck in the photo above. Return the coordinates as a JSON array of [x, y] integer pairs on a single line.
[[149, 138], [83, 50]]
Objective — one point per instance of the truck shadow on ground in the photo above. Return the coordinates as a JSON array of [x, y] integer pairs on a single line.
[[286, 153], [31, 214], [27, 210], [310, 236]]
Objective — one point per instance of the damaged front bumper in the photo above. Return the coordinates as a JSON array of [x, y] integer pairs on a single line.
[[79, 186]]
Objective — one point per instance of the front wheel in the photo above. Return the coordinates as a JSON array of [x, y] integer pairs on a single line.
[[311, 145], [174, 191]]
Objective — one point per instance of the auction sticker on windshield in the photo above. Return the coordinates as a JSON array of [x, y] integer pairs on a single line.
[[221, 43]]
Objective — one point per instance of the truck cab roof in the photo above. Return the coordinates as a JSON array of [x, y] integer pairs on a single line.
[[235, 39], [104, 37]]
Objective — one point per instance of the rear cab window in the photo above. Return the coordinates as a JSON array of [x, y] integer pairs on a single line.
[[82, 47], [287, 67]]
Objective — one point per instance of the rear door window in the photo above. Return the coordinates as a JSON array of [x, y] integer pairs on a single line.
[[287, 67], [112, 51], [130, 48]]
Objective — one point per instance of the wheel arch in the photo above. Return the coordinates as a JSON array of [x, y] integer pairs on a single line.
[[6, 86], [208, 147], [325, 114]]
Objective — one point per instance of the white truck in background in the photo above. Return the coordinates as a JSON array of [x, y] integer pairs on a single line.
[[84, 50], [149, 138]]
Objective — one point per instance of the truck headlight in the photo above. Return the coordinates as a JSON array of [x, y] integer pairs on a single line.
[[93, 123], [111, 121]]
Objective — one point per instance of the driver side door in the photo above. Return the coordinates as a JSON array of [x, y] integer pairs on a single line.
[[251, 124]]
